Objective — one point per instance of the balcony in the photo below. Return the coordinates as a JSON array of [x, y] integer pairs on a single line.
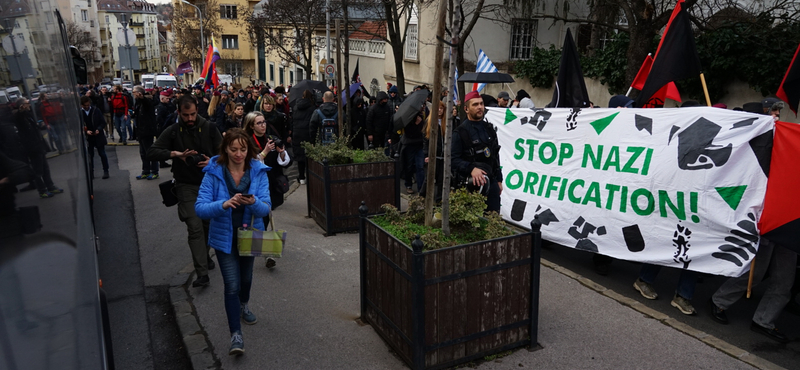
[[137, 24]]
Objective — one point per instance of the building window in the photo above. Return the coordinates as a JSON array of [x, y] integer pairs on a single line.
[[291, 77], [230, 42], [523, 33], [227, 11], [85, 15], [89, 3], [411, 41], [107, 21], [272, 72], [280, 76], [234, 68]]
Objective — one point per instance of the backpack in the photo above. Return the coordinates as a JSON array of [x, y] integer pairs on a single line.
[[119, 103], [329, 128]]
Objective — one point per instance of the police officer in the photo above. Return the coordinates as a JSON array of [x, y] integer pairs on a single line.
[[189, 143], [476, 152]]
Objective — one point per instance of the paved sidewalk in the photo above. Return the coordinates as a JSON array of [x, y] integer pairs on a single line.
[[309, 304]]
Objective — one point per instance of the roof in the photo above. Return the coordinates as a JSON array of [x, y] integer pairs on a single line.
[[126, 6], [368, 29]]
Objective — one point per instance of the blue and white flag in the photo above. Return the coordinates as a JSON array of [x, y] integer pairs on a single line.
[[484, 65]]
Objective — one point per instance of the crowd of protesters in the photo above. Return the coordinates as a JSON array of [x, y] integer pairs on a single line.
[[240, 132]]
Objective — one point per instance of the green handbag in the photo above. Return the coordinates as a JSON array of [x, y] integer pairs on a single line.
[[264, 243]]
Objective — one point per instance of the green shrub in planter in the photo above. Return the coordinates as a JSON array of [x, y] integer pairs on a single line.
[[467, 222], [339, 152]]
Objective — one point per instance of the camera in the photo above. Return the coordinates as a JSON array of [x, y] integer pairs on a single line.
[[278, 142], [193, 160], [472, 187]]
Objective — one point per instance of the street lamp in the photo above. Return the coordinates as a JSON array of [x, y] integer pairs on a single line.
[[202, 37]]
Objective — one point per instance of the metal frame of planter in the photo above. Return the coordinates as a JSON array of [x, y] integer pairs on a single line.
[[329, 218], [405, 285]]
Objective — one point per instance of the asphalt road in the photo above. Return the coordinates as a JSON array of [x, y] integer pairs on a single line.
[[737, 332], [143, 328]]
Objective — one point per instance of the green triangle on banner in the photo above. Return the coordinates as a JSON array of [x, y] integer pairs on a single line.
[[509, 116], [731, 194], [602, 123]]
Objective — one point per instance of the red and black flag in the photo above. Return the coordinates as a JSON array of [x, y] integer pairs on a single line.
[[789, 91], [676, 57], [356, 76], [780, 220], [570, 89], [669, 91]]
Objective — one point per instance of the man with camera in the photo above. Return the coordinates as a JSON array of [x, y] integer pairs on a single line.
[[189, 143], [476, 153]]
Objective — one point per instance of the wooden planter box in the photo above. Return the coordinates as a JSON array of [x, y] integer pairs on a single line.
[[440, 308], [335, 192]]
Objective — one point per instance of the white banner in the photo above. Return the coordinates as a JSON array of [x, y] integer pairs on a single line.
[[673, 187]]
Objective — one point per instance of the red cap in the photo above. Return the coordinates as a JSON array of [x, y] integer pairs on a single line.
[[165, 93], [472, 95], [217, 93]]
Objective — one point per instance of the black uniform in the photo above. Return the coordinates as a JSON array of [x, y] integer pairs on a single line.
[[475, 145]]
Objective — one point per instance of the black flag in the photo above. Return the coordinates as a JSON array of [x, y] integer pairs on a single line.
[[356, 76], [789, 91], [676, 58], [570, 88]]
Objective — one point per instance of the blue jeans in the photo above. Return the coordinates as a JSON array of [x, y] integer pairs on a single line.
[[686, 282], [237, 275], [123, 125]]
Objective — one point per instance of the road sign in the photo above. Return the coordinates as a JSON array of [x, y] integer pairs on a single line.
[[330, 70], [121, 36], [13, 45]]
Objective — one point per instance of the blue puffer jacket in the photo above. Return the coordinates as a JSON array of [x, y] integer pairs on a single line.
[[214, 192]]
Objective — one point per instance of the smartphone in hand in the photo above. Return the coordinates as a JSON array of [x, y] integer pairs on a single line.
[[247, 195]]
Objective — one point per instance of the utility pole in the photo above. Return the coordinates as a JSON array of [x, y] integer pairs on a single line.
[[328, 31]]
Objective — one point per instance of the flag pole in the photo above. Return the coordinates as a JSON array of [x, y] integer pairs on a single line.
[[708, 102], [750, 278]]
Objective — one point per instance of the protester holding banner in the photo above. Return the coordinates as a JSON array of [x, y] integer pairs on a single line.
[[475, 154]]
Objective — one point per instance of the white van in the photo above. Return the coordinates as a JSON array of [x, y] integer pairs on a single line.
[[225, 79], [166, 81], [13, 93], [148, 81]]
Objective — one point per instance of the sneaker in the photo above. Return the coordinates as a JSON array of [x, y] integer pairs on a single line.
[[201, 281], [717, 313], [683, 305], [237, 344], [105, 175], [46, 195], [248, 317], [302, 181], [56, 190], [270, 263], [773, 333], [646, 289], [152, 176], [142, 176]]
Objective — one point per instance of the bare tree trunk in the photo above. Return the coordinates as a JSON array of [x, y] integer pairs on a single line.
[[448, 135], [339, 74], [396, 40], [433, 130]]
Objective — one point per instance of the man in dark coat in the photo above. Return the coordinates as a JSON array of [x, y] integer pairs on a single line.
[[35, 148], [301, 124], [166, 114], [379, 121], [93, 127], [328, 109], [146, 130]]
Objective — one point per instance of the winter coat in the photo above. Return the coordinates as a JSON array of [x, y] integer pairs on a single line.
[[277, 120], [29, 135], [328, 110], [301, 121], [393, 102], [94, 121], [379, 117], [202, 137], [213, 192], [163, 112], [145, 115]]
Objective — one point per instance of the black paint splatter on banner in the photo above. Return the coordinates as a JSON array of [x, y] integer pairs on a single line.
[[644, 123], [742, 243], [547, 216], [582, 234], [572, 118], [681, 242], [539, 119], [518, 209], [744, 123], [696, 150], [633, 238]]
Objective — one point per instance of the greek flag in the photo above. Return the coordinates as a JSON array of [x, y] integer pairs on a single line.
[[484, 65]]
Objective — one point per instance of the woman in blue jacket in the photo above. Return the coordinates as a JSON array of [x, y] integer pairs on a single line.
[[234, 192]]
